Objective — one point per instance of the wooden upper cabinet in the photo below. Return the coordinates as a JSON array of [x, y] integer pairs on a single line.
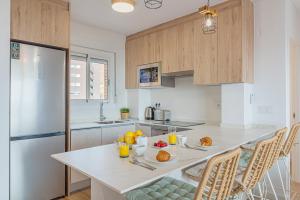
[[205, 56], [170, 50], [41, 21], [186, 47], [131, 64], [235, 43], [154, 46], [181, 46], [178, 48]]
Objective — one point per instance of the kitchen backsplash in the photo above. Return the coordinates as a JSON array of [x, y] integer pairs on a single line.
[[186, 101]]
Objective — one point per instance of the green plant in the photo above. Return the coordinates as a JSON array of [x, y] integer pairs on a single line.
[[124, 110]]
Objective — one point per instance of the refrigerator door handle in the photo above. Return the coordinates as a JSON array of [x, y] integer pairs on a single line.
[[42, 135]]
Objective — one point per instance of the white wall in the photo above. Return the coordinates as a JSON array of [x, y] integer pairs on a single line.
[[4, 99], [187, 102], [92, 37], [276, 23], [270, 62], [237, 105]]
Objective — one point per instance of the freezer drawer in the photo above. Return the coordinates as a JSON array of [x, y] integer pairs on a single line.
[[34, 174]]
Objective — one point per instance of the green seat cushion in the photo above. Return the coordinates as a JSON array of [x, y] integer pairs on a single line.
[[245, 158], [164, 189], [195, 172]]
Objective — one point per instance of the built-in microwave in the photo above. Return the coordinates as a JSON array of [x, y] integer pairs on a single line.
[[150, 76]]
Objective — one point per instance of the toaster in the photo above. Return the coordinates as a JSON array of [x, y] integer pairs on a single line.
[[162, 115]]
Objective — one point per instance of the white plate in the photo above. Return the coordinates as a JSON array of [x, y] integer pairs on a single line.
[[206, 147], [151, 157], [160, 148]]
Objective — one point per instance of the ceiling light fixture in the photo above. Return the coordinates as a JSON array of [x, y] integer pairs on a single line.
[[209, 24], [123, 6], [153, 4]]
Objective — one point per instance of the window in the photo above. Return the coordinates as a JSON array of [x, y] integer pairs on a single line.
[[78, 77], [98, 79], [89, 78]]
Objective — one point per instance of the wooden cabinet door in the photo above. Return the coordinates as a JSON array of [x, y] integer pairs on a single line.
[[205, 56], [81, 139], [170, 50], [26, 20], [131, 64], [177, 54], [153, 47], [55, 23], [41, 21], [230, 45], [186, 46]]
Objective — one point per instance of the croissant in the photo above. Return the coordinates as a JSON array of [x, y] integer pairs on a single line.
[[163, 156], [206, 141]]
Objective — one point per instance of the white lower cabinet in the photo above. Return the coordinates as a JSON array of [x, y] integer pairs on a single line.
[[86, 138], [81, 139], [111, 134]]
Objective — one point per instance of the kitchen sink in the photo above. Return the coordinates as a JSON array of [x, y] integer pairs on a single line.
[[111, 122]]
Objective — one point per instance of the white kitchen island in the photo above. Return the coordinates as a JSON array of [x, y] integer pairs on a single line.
[[112, 176]]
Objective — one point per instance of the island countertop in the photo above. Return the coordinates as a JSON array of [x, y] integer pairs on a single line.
[[104, 165]]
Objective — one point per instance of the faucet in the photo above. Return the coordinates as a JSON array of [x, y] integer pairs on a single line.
[[102, 117]]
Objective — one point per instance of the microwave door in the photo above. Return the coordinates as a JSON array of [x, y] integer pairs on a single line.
[[149, 76]]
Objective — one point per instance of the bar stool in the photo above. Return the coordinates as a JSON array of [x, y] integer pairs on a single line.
[[285, 151], [215, 183], [272, 157]]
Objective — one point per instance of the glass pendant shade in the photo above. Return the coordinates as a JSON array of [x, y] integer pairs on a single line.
[[123, 6], [153, 4], [209, 24]]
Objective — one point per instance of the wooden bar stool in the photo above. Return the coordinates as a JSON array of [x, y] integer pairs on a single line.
[[285, 151], [215, 183], [255, 167], [274, 158]]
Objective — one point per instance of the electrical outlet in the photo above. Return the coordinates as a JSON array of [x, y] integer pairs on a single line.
[[265, 109]]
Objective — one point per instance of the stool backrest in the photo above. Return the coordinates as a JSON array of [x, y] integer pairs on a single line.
[[287, 147], [259, 162], [218, 176], [278, 146]]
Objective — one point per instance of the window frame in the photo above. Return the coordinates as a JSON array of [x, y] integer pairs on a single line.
[[80, 57], [109, 58]]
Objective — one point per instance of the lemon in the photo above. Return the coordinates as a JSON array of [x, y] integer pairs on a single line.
[[121, 139], [139, 133], [129, 134]]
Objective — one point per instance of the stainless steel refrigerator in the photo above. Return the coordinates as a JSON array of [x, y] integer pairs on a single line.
[[37, 122]]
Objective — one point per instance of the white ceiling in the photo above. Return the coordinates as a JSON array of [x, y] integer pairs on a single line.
[[297, 3], [99, 13]]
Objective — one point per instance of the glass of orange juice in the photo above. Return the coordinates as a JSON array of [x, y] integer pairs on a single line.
[[172, 135], [124, 150]]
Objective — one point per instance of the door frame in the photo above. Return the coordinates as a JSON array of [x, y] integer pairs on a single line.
[[294, 65]]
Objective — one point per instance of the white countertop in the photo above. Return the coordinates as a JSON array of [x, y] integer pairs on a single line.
[[90, 125], [103, 164]]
